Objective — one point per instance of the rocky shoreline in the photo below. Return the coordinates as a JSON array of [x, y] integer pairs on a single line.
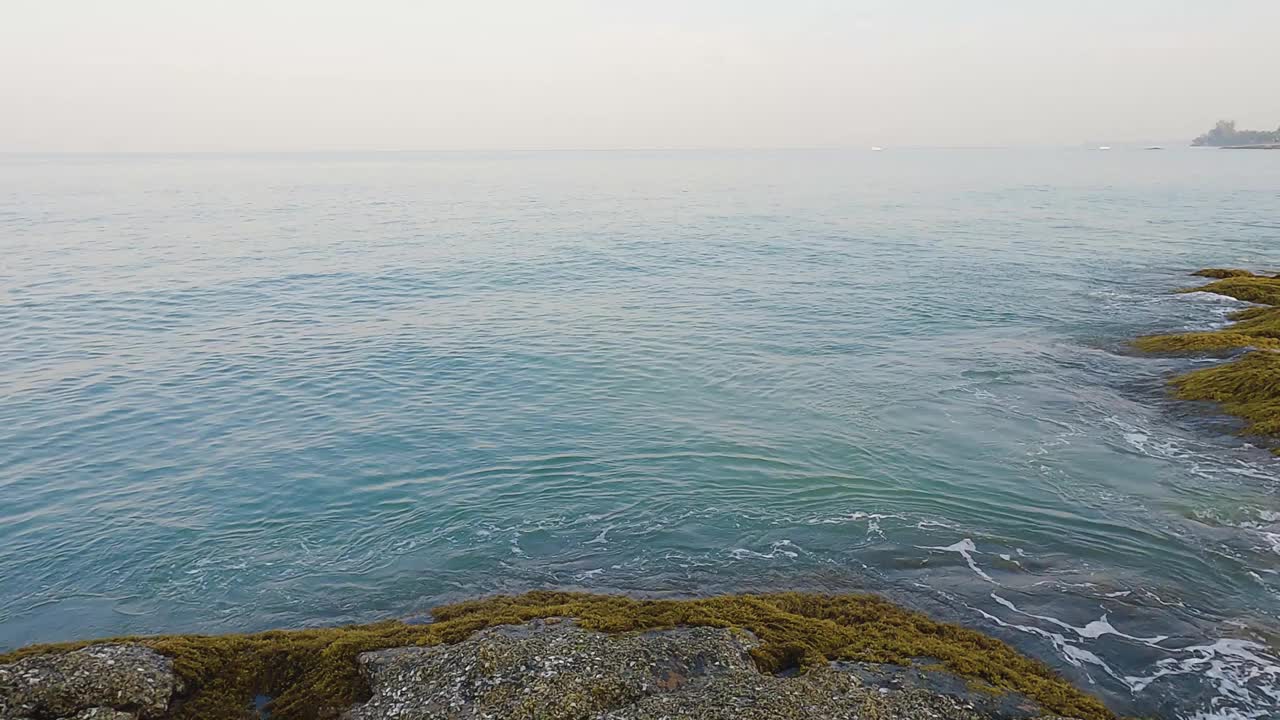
[[557, 656], [543, 669]]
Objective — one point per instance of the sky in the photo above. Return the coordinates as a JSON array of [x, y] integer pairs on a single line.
[[313, 75]]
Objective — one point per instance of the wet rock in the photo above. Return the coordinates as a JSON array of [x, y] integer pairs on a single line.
[[99, 682], [554, 670]]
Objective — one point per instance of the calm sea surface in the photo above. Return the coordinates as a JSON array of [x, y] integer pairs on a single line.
[[244, 392]]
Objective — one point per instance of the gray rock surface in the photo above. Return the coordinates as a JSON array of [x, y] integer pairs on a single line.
[[104, 714], [99, 682], [543, 670], [558, 671]]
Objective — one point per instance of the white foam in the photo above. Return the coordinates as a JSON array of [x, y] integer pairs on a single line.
[[1273, 539], [1208, 297], [1241, 671], [966, 548], [1091, 631], [871, 518], [777, 549], [1140, 439], [1077, 656], [926, 524], [687, 561], [1244, 673]]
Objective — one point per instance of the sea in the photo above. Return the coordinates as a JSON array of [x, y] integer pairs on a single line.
[[241, 392]]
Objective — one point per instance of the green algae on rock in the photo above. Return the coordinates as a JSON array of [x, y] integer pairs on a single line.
[[1210, 341], [1255, 327], [1251, 288], [1262, 322], [315, 673], [1247, 387], [1220, 273]]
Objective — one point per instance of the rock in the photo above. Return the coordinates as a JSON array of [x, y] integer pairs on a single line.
[[925, 675], [99, 682], [823, 693], [104, 714], [544, 670], [555, 670], [99, 713]]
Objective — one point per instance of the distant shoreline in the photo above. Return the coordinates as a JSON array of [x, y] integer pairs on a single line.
[[1258, 146]]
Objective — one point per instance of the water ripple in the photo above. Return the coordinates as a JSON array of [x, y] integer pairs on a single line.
[[242, 393]]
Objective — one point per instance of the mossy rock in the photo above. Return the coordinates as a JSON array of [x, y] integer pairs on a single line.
[[1262, 322], [1248, 387], [1203, 342], [1220, 273], [314, 673], [1251, 288]]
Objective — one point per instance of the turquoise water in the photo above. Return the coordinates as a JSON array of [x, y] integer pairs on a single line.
[[243, 392]]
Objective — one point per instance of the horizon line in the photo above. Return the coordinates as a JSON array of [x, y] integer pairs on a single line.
[[690, 148]]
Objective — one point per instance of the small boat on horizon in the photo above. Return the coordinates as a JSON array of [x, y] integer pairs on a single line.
[[1104, 147], [876, 148]]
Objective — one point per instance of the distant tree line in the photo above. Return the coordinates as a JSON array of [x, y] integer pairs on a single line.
[[1225, 133]]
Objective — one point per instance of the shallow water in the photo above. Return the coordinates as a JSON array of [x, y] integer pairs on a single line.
[[243, 392]]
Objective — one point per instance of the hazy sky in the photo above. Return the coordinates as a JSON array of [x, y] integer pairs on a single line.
[[175, 75]]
